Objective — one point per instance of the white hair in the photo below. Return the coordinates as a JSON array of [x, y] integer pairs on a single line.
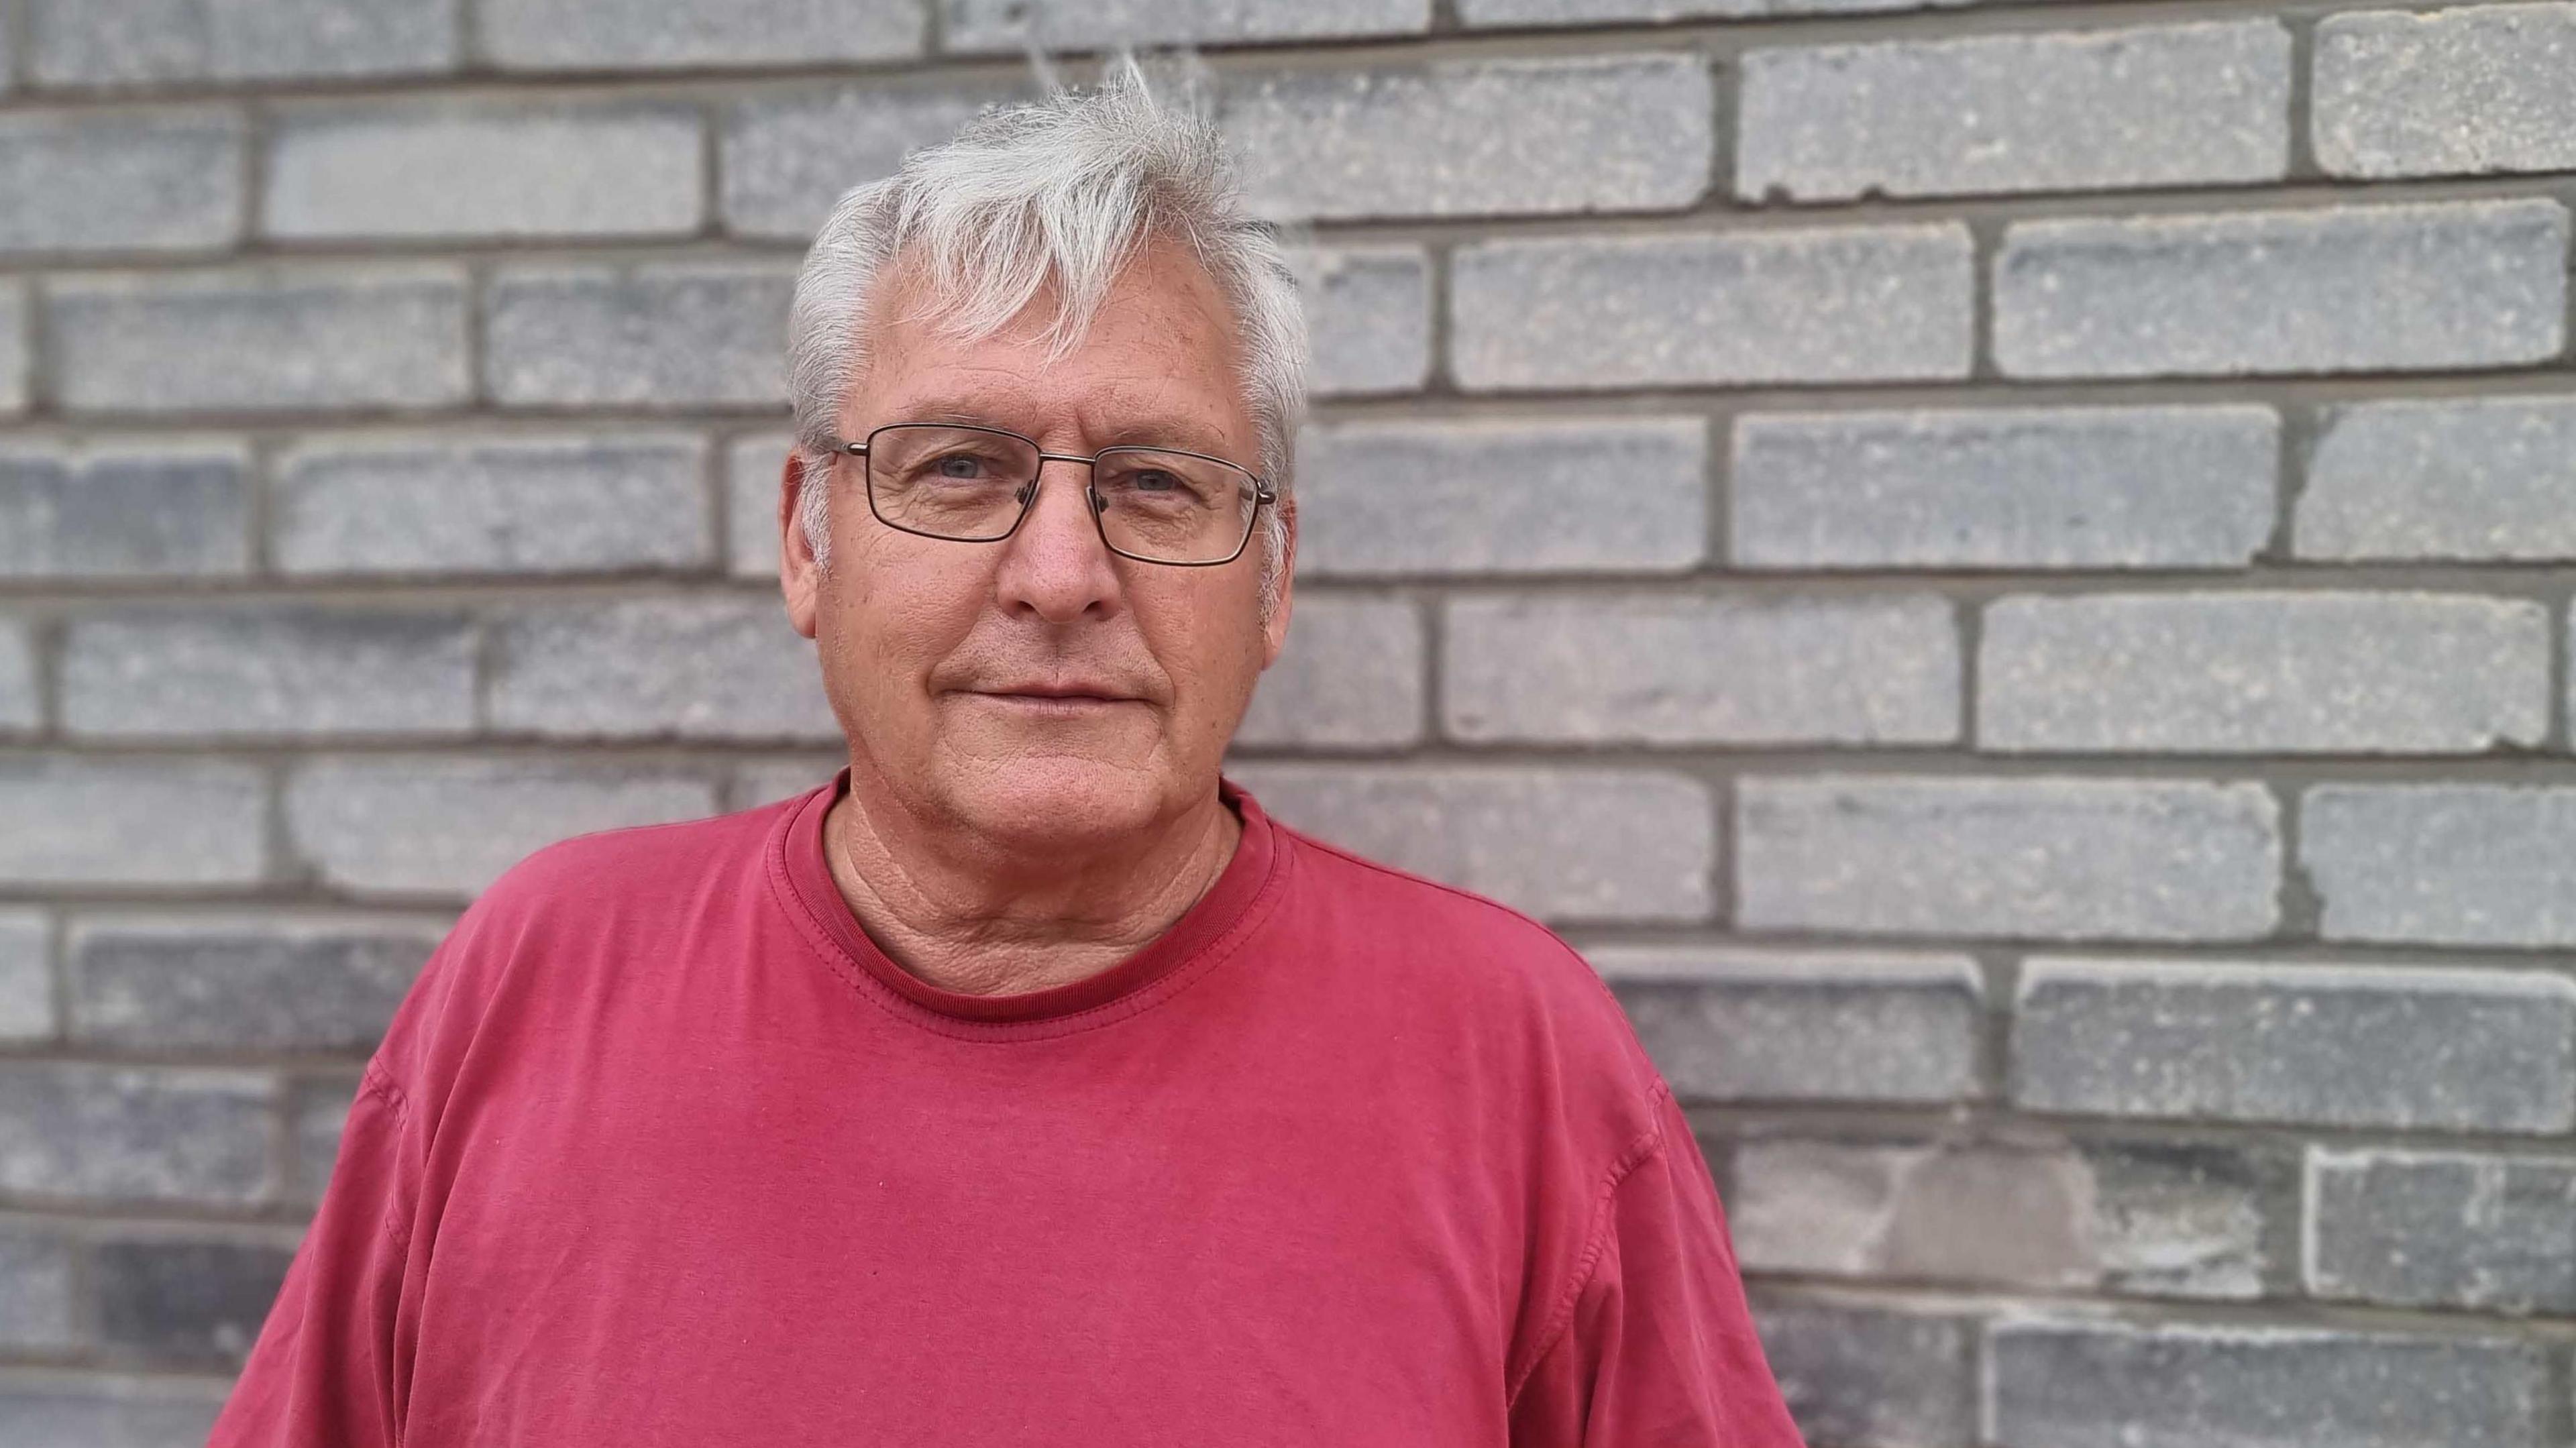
[[1061, 192]]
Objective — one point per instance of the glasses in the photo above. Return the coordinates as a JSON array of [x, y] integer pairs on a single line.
[[975, 484]]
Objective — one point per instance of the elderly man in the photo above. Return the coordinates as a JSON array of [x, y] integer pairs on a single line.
[[1026, 1083]]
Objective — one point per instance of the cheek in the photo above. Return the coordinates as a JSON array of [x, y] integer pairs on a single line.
[[1211, 647], [885, 619]]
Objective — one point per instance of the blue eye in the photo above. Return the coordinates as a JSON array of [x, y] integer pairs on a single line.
[[960, 465], [1154, 481]]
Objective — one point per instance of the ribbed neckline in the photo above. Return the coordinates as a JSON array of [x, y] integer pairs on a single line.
[[1200, 937]]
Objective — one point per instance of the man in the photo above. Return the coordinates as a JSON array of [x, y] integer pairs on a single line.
[[1026, 1083]]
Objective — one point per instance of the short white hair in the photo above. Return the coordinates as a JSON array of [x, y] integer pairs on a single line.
[[1062, 191]]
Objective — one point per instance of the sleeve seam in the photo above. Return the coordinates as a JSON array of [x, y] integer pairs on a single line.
[[380, 1082], [1561, 1316]]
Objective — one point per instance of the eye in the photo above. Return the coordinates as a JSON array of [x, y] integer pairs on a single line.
[[1154, 480], [961, 465]]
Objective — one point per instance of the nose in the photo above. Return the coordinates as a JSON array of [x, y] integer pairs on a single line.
[[1054, 565]]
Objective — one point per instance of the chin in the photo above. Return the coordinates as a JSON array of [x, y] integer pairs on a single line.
[[1043, 801]]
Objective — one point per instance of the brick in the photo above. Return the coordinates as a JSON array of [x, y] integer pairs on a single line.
[[1560, 843], [37, 1309], [269, 982], [752, 468], [141, 42], [2442, 1229], [186, 1299], [2449, 864], [2323, 289], [131, 822], [1350, 677], [1731, 1024], [1867, 1375], [87, 1410], [2100, 1384], [650, 34], [268, 670], [705, 333], [2036, 857], [1849, 304], [497, 503], [1368, 318], [1584, 134], [1422, 496], [767, 781], [2468, 478], [26, 978], [162, 508], [2160, 105], [2425, 1048], [1101, 24], [449, 169], [316, 1113], [159, 180], [2155, 1218], [21, 706], [786, 157], [712, 667], [126, 1133], [449, 827], [1590, 12], [2450, 92], [2091, 487], [2263, 673], [259, 340], [16, 318], [1661, 669]]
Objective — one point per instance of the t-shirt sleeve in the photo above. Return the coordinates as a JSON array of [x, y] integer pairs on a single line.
[[323, 1373], [1659, 1346]]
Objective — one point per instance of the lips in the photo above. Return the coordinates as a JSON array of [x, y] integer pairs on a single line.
[[1071, 693]]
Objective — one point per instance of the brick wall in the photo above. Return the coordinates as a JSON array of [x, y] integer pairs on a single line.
[[2053, 715]]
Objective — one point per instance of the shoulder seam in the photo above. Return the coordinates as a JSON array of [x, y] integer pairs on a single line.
[[1561, 1317]]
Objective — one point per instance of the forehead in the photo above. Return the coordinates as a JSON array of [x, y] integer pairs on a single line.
[[1161, 360]]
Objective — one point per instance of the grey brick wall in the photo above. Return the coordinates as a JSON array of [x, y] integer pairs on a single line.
[[2005, 569]]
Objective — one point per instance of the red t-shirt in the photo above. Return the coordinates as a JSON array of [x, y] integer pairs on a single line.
[[660, 1149]]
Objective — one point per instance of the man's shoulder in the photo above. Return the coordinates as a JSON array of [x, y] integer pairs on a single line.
[[637, 864]]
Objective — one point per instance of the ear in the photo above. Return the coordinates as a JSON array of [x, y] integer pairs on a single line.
[[1274, 629], [799, 578]]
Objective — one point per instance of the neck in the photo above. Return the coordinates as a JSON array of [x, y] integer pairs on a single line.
[[966, 916]]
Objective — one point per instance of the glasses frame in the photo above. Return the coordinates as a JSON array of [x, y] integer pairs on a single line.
[[1028, 490]]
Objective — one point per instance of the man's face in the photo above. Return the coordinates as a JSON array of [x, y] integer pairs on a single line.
[[1040, 690]]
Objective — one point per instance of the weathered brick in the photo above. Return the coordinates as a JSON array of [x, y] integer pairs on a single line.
[[271, 669], [2471, 478], [2163, 105], [131, 822], [1870, 1375], [645, 34], [2084, 1383], [752, 467], [786, 157], [316, 1113], [2449, 1048], [2442, 1229], [263, 339], [2041, 857], [139, 42], [2452, 864], [1616, 133], [694, 668], [1661, 669], [15, 320], [1564, 844], [21, 707], [37, 1311], [270, 982], [1730, 1024], [669, 333], [186, 1299], [1850, 304], [158, 508], [159, 180], [1552, 496], [26, 978], [769, 780], [2154, 1218], [2457, 91], [496, 503], [1351, 675], [448, 827], [89, 1410], [2091, 487], [1591, 12], [450, 169], [138, 1134], [2327, 289], [2287, 672], [1368, 318], [1098, 24]]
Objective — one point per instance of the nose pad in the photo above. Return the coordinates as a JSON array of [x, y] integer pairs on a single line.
[[1022, 496]]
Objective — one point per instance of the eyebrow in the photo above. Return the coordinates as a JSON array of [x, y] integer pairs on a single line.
[[1170, 432]]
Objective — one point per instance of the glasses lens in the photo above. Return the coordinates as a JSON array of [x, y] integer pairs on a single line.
[[1173, 507], [949, 482]]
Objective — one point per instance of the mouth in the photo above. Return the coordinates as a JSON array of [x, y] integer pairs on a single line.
[[1056, 698]]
